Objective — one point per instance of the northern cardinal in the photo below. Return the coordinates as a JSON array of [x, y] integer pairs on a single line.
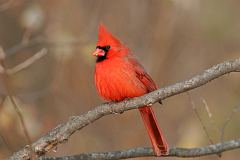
[[118, 76]]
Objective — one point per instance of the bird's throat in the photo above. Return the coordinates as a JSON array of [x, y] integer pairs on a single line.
[[101, 58]]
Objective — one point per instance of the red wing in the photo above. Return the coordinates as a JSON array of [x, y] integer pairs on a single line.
[[142, 75]]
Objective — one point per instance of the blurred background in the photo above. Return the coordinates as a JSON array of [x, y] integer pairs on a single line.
[[173, 39]]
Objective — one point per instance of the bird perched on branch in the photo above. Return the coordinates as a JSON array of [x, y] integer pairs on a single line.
[[118, 75]]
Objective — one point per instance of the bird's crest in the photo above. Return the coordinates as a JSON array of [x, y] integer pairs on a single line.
[[106, 38]]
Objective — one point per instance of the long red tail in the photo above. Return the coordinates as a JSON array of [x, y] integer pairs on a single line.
[[159, 143]]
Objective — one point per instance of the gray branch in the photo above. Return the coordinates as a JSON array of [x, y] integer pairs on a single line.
[[62, 132], [148, 152]]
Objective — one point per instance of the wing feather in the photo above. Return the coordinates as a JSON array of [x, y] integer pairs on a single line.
[[142, 74]]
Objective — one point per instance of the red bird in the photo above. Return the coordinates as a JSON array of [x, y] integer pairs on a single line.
[[118, 76]]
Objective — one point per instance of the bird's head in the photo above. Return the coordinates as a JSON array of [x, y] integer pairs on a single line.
[[108, 46]]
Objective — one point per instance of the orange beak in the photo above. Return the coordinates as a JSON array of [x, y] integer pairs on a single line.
[[99, 52]]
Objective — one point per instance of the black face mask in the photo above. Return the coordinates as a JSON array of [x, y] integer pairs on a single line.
[[105, 49]]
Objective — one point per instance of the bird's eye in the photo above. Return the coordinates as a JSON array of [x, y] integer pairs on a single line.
[[107, 47]]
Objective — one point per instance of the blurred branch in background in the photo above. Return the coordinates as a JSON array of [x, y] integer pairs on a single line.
[[201, 121], [19, 47], [27, 62], [6, 143], [148, 152], [11, 94], [229, 118], [7, 4], [39, 40], [8, 72], [62, 132]]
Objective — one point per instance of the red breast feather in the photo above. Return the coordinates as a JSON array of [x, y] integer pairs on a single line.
[[116, 80]]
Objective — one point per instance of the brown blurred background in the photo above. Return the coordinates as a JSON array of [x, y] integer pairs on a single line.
[[173, 39]]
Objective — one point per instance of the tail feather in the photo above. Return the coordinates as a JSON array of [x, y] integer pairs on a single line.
[[159, 143]]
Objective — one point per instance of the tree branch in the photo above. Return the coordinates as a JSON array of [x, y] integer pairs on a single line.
[[148, 152], [43, 41], [10, 93], [62, 132], [27, 62], [200, 120]]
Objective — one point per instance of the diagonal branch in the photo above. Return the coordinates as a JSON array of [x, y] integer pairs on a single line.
[[62, 132], [201, 121], [27, 62], [148, 152], [10, 93]]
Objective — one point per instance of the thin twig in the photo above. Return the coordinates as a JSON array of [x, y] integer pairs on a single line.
[[1, 135], [27, 62], [43, 41], [5, 142], [207, 108], [10, 94], [19, 113], [211, 121], [62, 132], [26, 36], [200, 120], [148, 152], [229, 118], [21, 46], [7, 72]]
